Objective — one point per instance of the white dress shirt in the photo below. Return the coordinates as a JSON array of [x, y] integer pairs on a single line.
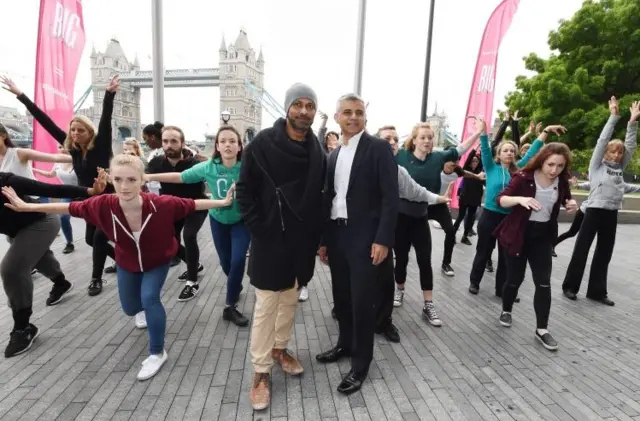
[[342, 175]]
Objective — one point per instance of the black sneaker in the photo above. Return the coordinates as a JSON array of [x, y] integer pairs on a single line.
[[505, 319], [111, 269], [58, 291], [474, 288], [95, 287], [547, 341], [489, 266], [447, 269], [69, 248], [570, 295], [185, 274], [553, 253], [472, 233], [465, 240], [189, 291], [34, 271], [21, 340], [232, 315]]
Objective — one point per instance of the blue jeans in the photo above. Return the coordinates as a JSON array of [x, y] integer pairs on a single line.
[[232, 242], [141, 291], [65, 225]]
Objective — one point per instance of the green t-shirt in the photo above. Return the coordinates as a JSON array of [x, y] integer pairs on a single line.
[[220, 179], [427, 172]]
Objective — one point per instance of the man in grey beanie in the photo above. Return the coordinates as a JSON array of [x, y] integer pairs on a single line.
[[279, 194]]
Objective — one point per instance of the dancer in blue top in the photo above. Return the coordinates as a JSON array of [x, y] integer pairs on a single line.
[[498, 171]]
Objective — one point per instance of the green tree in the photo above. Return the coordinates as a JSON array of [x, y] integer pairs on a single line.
[[594, 56]]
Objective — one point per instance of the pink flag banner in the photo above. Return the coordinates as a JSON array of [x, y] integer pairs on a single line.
[[484, 77], [61, 40]]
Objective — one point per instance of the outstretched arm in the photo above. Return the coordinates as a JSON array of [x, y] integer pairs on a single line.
[[40, 116], [26, 155], [167, 177], [15, 203]]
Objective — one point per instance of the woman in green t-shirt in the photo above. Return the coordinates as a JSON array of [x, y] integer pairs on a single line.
[[230, 236]]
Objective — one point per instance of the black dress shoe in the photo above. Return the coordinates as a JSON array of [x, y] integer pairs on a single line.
[[390, 332], [350, 384], [604, 300], [570, 295], [332, 355]]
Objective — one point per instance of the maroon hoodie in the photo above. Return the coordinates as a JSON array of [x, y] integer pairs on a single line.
[[510, 232], [156, 242]]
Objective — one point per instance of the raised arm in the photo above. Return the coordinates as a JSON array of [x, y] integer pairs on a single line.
[[497, 138], [630, 141], [515, 129], [105, 132], [539, 143], [605, 136], [45, 121]]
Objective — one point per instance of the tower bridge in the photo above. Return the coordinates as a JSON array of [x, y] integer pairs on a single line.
[[240, 78]]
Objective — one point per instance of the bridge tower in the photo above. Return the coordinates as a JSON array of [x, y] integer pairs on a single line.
[[126, 107], [239, 65]]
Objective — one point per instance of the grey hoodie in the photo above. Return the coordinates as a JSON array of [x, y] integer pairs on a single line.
[[607, 184]]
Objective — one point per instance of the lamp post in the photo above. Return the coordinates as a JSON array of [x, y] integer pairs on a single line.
[[427, 66], [158, 67], [226, 116], [362, 17]]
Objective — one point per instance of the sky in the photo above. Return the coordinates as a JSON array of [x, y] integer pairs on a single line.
[[303, 41]]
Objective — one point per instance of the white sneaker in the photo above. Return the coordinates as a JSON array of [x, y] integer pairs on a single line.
[[304, 294], [152, 365], [141, 320], [398, 297]]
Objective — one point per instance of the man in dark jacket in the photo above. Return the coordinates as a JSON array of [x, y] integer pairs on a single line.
[[361, 201], [280, 197]]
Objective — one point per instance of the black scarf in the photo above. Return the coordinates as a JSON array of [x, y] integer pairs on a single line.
[[296, 170]]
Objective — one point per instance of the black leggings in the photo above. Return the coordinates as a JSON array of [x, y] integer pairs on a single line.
[[573, 229], [603, 223], [470, 212], [485, 244], [190, 252], [101, 249], [441, 214], [413, 231], [537, 251]]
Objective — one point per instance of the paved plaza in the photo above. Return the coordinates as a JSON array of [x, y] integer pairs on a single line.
[[83, 365]]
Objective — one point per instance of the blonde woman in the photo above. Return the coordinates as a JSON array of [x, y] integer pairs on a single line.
[[90, 149]]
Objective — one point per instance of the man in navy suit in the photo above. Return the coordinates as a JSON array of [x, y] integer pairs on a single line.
[[361, 202]]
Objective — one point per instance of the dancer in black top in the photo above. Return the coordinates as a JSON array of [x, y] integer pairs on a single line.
[[470, 196], [90, 149], [30, 236]]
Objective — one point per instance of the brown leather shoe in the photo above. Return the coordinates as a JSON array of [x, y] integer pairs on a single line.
[[287, 361], [260, 395]]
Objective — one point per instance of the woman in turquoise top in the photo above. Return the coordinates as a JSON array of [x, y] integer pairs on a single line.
[[498, 171], [230, 235]]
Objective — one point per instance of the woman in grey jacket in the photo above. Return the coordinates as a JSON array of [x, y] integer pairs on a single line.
[[605, 199]]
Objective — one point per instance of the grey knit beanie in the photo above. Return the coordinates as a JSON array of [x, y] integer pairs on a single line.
[[297, 91]]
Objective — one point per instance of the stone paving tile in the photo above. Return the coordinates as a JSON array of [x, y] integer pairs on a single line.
[[84, 363]]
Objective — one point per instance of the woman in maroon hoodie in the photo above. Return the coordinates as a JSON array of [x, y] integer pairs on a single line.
[[141, 227], [528, 232]]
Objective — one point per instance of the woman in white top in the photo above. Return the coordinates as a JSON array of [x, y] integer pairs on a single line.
[[65, 173], [18, 160]]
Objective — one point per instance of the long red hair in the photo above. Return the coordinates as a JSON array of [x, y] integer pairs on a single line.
[[554, 148]]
